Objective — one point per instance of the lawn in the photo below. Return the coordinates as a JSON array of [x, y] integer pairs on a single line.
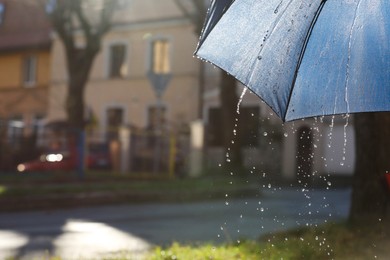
[[59, 190], [333, 241]]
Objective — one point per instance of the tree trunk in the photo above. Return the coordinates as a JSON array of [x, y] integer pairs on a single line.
[[75, 105], [369, 196], [79, 67], [229, 101]]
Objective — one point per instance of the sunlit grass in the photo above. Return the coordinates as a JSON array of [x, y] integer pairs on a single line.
[[3, 190], [336, 241], [331, 241]]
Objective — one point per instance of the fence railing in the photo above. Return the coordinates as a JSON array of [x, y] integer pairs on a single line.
[[137, 151]]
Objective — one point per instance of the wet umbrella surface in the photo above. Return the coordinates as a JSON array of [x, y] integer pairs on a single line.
[[304, 58]]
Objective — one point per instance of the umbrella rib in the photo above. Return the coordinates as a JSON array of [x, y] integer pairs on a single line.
[[270, 32], [201, 39], [347, 73], [302, 53]]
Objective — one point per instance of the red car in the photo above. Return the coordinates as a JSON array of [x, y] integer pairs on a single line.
[[50, 162], [97, 157]]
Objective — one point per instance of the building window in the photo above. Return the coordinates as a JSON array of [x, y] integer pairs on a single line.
[[248, 126], [156, 117], [160, 60], [15, 130], [118, 67], [29, 70], [115, 119], [2, 12]]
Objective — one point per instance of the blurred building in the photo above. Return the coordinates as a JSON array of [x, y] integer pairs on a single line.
[[25, 46], [146, 79], [147, 36], [319, 150]]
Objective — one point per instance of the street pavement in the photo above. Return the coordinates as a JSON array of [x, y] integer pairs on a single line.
[[103, 231]]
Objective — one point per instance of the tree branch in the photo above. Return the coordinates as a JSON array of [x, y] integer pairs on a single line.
[[198, 16], [61, 20], [106, 17], [85, 25], [182, 8]]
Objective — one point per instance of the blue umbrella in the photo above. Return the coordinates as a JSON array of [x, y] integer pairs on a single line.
[[304, 58]]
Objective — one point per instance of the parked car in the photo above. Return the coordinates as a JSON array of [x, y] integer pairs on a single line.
[[60, 160], [97, 157]]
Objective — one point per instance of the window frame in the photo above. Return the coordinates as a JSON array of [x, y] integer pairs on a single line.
[[151, 55], [29, 70], [108, 59], [104, 123], [150, 122]]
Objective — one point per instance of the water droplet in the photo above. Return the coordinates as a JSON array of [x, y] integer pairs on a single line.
[[285, 134], [265, 133], [240, 101]]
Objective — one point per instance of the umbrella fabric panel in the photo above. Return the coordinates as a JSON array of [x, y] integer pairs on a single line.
[[215, 12], [346, 65], [259, 42]]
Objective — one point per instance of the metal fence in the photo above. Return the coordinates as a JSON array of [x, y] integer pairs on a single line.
[[147, 152]]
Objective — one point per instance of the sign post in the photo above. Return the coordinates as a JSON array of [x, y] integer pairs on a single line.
[[159, 82]]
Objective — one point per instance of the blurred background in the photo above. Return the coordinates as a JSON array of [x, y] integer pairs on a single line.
[[102, 102], [148, 106]]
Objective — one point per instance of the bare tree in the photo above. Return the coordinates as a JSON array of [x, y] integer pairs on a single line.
[[72, 24], [196, 11]]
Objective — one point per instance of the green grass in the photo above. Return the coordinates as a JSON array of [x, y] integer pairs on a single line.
[[336, 241], [332, 241], [27, 185], [57, 189]]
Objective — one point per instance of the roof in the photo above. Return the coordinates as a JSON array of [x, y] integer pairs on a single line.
[[24, 25]]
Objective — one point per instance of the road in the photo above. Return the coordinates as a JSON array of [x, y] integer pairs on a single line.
[[102, 231]]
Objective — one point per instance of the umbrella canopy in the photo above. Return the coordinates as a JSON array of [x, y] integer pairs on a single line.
[[304, 58]]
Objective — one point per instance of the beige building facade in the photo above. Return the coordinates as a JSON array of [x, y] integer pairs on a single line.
[[155, 36], [24, 72], [146, 36]]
